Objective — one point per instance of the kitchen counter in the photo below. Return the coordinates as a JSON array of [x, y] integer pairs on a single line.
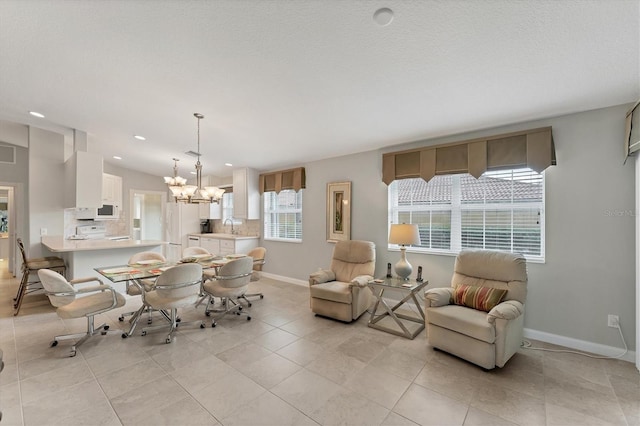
[[82, 256], [221, 236], [58, 244]]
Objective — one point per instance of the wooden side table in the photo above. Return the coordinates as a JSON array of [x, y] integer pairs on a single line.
[[410, 288]]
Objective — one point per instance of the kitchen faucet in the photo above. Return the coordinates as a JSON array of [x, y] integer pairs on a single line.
[[225, 223]]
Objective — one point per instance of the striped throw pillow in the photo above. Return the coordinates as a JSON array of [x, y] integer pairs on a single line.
[[481, 298]]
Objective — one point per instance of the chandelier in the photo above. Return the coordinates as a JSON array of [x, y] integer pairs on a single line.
[[176, 183], [192, 193]]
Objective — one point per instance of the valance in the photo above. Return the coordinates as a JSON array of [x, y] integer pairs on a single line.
[[283, 179], [530, 148]]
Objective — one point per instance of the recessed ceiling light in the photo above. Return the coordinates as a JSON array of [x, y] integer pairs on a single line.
[[140, 138], [228, 164], [117, 158], [383, 17], [36, 114], [193, 173]]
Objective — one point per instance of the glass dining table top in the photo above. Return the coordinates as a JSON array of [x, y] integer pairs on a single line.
[[154, 268]]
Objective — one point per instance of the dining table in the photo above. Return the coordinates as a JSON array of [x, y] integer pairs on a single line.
[[143, 272], [145, 269]]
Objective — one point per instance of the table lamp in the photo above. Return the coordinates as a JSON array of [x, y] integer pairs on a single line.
[[404, 234]]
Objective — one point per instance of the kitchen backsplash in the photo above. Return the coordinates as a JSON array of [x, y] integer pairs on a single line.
[[119, 227], [247, 227], [114, 227]]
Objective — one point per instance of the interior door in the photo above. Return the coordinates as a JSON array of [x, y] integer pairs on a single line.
[[147, 212]]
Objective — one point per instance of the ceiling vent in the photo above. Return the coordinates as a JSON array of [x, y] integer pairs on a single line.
[[192, 153]]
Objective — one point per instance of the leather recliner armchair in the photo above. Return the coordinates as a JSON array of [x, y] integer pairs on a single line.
[[341, 292], [462, 321]]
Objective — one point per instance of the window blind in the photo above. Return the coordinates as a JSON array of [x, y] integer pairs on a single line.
[[283, 215], [503, 210]]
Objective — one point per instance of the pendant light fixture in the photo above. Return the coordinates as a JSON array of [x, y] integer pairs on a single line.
[[194, 193]]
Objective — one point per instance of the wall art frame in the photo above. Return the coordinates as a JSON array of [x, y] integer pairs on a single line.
[[338, 211]]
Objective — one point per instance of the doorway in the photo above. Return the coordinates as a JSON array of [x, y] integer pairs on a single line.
[[9, 227], [147, 212]]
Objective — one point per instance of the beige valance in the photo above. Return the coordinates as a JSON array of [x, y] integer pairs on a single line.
[[530, 148], [283, 179]]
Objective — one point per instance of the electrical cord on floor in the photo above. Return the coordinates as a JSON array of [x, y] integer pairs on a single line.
[[527, 345]]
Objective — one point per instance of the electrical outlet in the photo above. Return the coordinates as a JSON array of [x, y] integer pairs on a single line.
[[613, 321], [43, 231]]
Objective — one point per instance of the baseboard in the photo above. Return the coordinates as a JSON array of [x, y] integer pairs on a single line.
[[568, 342], [580, 345], [286, 279]]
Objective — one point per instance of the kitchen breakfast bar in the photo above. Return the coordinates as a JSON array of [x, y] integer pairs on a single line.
[[82, 256]]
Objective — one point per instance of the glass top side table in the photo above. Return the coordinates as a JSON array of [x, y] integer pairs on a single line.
[[409, 289]]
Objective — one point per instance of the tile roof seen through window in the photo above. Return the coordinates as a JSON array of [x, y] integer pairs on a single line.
[[519, 187]]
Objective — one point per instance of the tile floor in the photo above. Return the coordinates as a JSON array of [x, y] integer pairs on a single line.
[[288, 367]]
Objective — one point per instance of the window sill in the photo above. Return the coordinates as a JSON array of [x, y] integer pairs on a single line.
[[452, 254], [284, 240]]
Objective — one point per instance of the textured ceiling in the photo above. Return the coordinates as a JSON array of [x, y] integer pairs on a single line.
[[285, 82]]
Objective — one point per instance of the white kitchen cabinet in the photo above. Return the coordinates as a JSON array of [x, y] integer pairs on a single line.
[[83, 180], [210, 211], [111, 190], [211, 244], [245, 246], [193, 241], [224, 246], [246, 198]]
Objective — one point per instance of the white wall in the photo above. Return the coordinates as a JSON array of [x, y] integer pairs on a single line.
[[590, 264], [46, 187], [637, 212]]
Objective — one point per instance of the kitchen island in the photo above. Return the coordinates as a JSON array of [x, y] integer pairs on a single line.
[[82, 256]]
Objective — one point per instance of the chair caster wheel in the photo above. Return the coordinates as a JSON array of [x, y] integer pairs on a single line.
[[213, 325], [144, 333], [103, 333], [178, 319], [125, 335], [53, 344], [167, 340], [106, 327], [149, 321], [262, 296], [240, 307], [201, 325], [249, 305], [72, 354], [248, 318], [208, 314], [120, 319]]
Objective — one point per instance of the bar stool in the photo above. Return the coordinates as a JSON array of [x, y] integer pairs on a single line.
[[32, 266]]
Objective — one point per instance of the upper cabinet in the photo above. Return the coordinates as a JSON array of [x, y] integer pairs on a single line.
[[210, 211], [83, 179], [246, 198], [111, 190]]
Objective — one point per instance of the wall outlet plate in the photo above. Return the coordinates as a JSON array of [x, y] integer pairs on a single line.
[[613, 321]]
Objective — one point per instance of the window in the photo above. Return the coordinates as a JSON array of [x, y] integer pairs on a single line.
[[283, 215], [503, 210], [227, 207]]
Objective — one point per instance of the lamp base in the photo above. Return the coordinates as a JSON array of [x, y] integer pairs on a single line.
[[403, 267]]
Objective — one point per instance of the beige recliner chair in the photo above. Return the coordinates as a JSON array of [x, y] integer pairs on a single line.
[[480, 318], [341, 292]]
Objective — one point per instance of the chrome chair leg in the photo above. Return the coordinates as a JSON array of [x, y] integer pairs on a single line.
[[174, 322], [91, 331], [235, 309]]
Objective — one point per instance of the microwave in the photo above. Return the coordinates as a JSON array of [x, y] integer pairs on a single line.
[[106, 212]]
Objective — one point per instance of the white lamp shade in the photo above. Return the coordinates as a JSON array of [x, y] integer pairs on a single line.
[[404, 234], [190, 190]]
